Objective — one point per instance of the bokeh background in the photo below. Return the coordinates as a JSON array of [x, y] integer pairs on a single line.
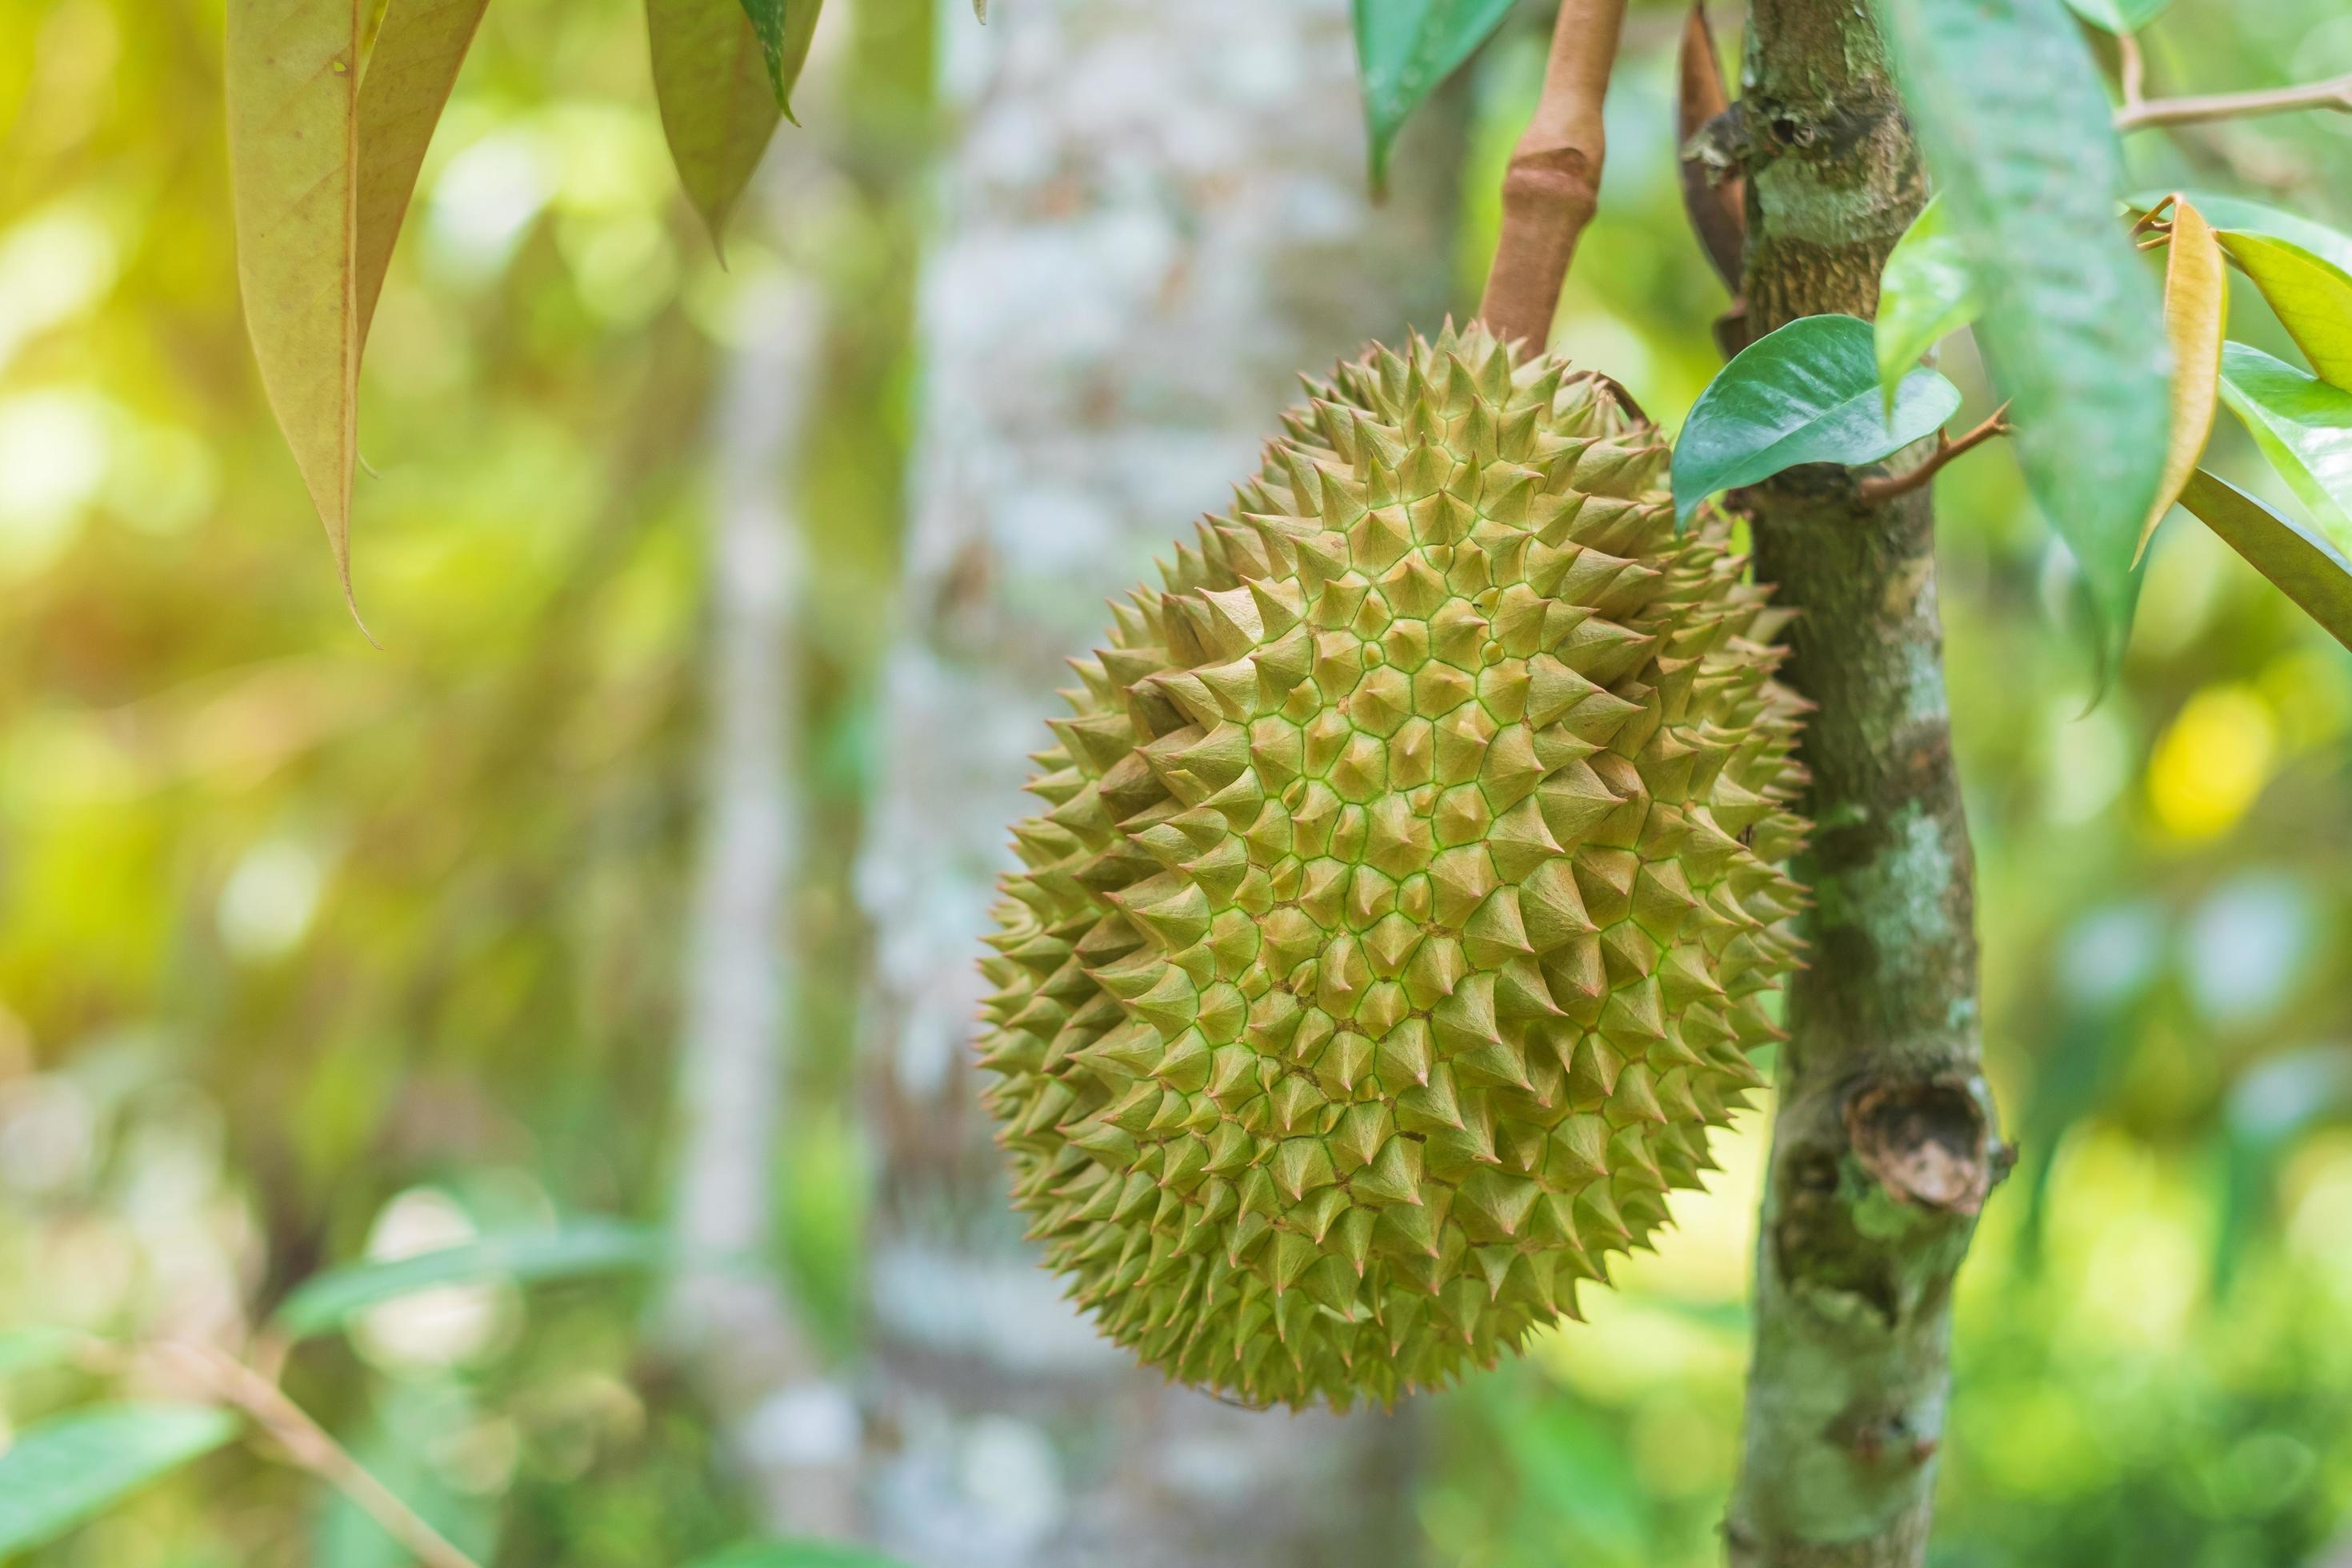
[[312, 951]]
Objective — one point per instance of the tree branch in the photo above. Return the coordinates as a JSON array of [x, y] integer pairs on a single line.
[[1885, 486], [308, 1446], [1553, 182], [2147, 113]]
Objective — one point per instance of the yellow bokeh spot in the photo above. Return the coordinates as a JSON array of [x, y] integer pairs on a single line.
[[2212, 761]]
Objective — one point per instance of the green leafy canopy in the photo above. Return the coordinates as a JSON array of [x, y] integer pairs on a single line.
[[1806, 394]]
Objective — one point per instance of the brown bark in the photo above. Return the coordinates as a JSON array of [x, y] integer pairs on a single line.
[[1884, 1144], [1553, 182]]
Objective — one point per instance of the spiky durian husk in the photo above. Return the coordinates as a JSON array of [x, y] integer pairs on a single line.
[[1409, 891]]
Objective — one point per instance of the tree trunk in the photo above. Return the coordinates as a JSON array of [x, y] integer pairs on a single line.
[[790, 1430], [1155, 217], [1884, 1144]]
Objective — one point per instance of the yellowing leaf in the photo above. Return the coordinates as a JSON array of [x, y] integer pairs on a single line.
[[2312, 295], [411, 67], [293, 88], [2195, 316], [718, 107], [323, 152]]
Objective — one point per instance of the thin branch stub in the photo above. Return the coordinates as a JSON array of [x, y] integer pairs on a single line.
[[1880, 488], [1553, 182]]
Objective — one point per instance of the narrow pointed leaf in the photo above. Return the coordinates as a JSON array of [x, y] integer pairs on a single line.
[[411, 67], [798, 1554], [2014, 120], [67, 1470], [583, 1248], [2119, 15], [2195, 316], [2302, 425], [293, 88], [785, 28], [2302, 564], [2312, 295], [718, 108], [1925, 293], [1404, 49], [1806, 394], [2236, 215]]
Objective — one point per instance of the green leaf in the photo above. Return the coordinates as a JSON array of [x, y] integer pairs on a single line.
[[70, 1468], [1404, 49], [2014, 120], [329, 1301], [2235, 215], [1806, 394], [785, 28], [2300, 564], [2120, 16], [1926, 292], [718, 108], [797, 1554], [2302, 425], [30, 1349], [2269, 1110], [2312, 295]]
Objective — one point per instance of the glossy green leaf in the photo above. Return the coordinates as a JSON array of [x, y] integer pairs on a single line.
[[67, 1470], [2302, 425], [329, 1301], [1404, 49], [797, 1554], [1806, 394], [2119, 15], [2236, 215], [2011, 111], [2312, 295], [718, 108], [1926, 292], [783, 29], [2302, 564]]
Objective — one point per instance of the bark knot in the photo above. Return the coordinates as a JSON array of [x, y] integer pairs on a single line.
[[1925, 1140]]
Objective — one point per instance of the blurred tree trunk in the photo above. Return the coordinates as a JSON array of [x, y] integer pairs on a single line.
[[1884, 1144], [1155, 217], [790, 1431]]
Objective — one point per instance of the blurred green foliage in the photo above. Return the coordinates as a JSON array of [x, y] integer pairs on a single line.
[[307, 950]]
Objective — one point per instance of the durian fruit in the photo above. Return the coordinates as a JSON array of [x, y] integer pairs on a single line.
[[1409, 893]]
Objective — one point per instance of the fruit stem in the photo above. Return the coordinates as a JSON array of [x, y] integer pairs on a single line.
[[1553, 181]]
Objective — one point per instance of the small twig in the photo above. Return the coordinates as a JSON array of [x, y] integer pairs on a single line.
[[1553, 182], [1881, 487], [308, 1446], [2149, 112], [2133, 70], [1715, 201]]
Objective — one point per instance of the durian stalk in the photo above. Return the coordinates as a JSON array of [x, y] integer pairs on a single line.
[[1553, 182]]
